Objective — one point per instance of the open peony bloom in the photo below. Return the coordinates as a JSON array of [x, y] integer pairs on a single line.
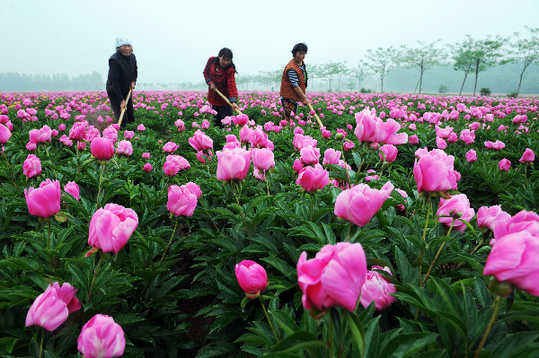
[[5, 134], [182, 200], [263, 158], [124, 148], [175, 163], [471, 156], [434, 171], [45, 200], [251, 277], [459, 206], [111, 227], [72, 189], [376, 288], [313, 178], [331, 156], [233, 164], [102, 148], [309, 155], [388, 153], [527, 156], [200, 141], [334, 277], [523, 220], [504, 164], [170, 147], [360, 203], [513, 258], [51, 308], [370, 128], [101, 337], [31, 166], [489, 216]]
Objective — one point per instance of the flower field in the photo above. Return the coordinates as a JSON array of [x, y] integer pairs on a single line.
[[406, 227]]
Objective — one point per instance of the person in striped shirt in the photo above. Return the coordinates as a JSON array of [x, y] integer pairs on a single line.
[[294, 81]]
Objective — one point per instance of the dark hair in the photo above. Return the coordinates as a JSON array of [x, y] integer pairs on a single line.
[[299, 47], [227, 53]]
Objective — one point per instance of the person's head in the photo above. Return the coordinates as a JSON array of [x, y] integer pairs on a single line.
[[123, 46], [225, 58], [299, 51]]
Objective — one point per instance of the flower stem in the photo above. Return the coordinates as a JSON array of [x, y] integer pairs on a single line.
[[267, 317], [169, 242], [331, 333], [267, 184], [41, 344], [489, 327], [96, 270], [99, 185], [437, 254], [424, 235], [49, 241]]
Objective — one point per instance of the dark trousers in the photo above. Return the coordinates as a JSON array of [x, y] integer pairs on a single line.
[[289, 106], [222, 112], [129, 116]]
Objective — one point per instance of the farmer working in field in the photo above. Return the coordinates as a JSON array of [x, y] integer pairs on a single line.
[[219, 74], [294, 81], [122, 78]]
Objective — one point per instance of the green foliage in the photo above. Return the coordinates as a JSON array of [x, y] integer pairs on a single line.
[[190, 303]]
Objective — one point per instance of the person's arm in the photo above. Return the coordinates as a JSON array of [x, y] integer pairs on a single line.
[[294, 80], [206, 74], [136, 73], [231, 86], [114, 78], [301, 95]]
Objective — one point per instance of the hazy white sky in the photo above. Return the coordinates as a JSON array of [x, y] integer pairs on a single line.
[[173, 39]]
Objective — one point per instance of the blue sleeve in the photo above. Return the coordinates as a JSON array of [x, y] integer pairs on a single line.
[[293, 77]]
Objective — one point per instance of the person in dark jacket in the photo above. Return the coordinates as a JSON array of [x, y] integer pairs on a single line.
[[122, 77], [219, 73], [294, 81]]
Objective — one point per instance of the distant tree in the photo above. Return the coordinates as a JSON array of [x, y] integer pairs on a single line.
[[463, 59], [358, 73], [486, 53], [525, 50], [424, 56], [380, 61]]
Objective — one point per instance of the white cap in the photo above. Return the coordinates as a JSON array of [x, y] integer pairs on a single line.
[[122, 42]]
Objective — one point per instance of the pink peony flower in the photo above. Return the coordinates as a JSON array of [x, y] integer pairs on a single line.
[[527, 156], [434, 171], [313, 178], [31, 166], [51, 308], [471, 156], [45, 200], [72, 189], [111, 227], [181, 200], [334, 277], [376, 288], [360, 203], [504, 164], [251, 277], [458, 206], [233, 164], [388, 153], [101, 337]]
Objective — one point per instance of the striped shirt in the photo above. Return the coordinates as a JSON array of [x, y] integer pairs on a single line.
[[293, 76]]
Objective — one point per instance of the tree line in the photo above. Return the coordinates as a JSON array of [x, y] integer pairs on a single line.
[[469, 57], [12, 81], [517, 55]]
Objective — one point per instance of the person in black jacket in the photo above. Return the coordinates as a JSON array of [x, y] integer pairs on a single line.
[[122, 77]]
